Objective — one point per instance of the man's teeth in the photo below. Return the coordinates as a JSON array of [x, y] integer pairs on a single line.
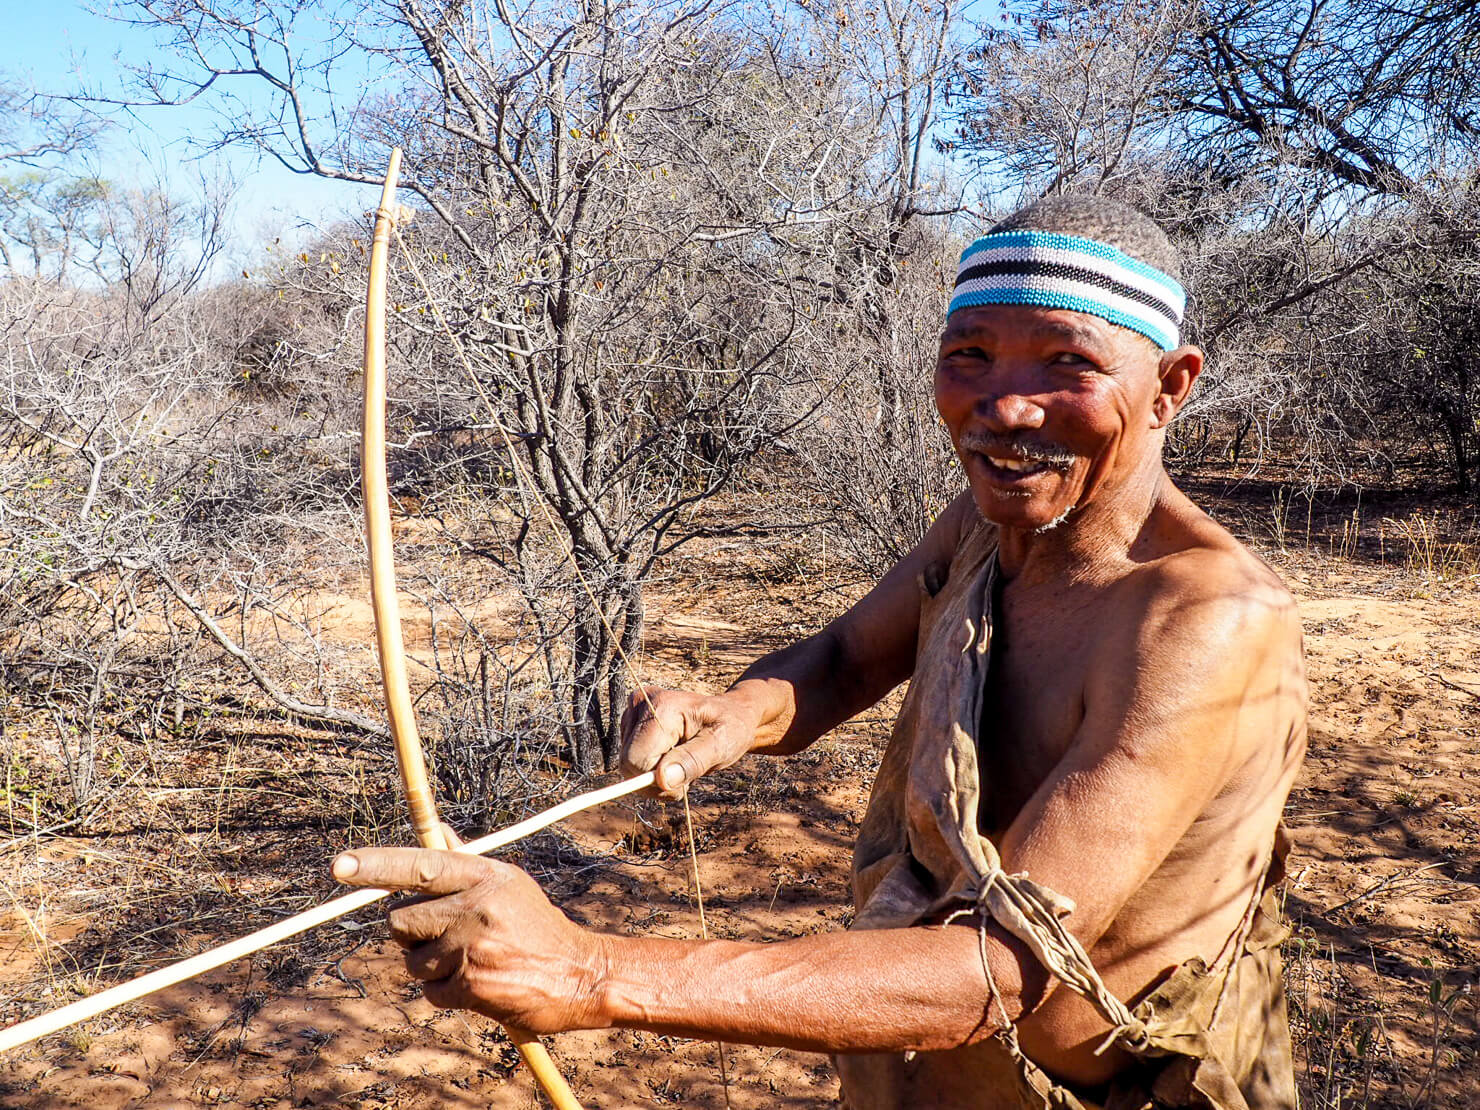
[[1016, 465]]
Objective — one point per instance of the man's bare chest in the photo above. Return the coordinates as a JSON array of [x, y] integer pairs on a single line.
[[1032, 709]]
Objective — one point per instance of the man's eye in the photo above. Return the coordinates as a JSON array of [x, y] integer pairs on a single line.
[[1069, 358], [971, 353]]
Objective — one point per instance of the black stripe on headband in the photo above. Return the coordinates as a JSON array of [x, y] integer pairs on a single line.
[[1068, 273]]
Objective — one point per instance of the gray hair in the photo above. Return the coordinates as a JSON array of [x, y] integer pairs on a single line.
[[1108, 221]]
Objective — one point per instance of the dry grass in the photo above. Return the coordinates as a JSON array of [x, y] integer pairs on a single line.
[[1434, 550]]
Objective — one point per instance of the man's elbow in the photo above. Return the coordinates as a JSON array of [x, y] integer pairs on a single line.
[[1007, 986]]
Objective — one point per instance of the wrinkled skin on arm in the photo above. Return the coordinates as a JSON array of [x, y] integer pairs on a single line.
[[488, 940]]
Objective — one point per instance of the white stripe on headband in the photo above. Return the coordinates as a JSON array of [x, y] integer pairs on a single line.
[[1064, 271], [1169, 301], [1054, 292]]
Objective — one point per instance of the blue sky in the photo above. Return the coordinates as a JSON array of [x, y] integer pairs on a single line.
[[56, 44]]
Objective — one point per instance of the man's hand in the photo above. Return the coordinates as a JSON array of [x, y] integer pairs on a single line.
[[684, 736], [786, 700], [486, 938]]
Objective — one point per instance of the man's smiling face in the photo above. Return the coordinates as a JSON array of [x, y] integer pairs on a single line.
[[1048, 409]]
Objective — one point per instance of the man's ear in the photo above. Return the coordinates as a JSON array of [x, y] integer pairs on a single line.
[[1178, 371]]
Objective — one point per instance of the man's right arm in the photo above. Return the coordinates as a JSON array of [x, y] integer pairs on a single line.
[[786, 700]]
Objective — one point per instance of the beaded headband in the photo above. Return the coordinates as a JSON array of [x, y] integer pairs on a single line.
[[1065, 271]]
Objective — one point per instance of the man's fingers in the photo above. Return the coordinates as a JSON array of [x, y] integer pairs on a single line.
[[418, 869], [421, 919], [436, 959], [647, 736], [682, 736], [688, 762], [632, 717], [449, 994]]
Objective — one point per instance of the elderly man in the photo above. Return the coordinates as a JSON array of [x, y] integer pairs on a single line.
[[1064, 876]]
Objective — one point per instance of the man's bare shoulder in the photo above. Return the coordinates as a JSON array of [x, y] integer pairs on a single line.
[[1205, 655], [1205, 594]]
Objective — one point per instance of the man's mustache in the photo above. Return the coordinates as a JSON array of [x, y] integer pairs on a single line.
[[1020, 447]]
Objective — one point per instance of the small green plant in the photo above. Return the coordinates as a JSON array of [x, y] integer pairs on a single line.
[[1336, 1044], [1443, 1002]]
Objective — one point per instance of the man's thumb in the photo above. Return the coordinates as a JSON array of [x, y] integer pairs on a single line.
[[689, 762]]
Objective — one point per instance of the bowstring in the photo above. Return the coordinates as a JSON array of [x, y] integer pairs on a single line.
[[688, 821], [529, 492]]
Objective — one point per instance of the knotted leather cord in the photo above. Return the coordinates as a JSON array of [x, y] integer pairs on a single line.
[[1027, 910], [1033, 914]]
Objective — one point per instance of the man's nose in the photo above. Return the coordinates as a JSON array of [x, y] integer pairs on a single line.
[[1009, 410]]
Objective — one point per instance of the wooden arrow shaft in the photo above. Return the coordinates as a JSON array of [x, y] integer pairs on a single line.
[[27, 1031]]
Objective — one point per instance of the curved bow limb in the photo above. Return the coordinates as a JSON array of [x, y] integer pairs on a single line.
[[399, 710]]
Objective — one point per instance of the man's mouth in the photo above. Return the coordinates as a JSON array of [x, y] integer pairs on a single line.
[[1013, 459], [1018, 469], [1018, 466]]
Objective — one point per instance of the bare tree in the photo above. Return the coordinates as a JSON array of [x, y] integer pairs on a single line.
[[154, 247], [46, 196], [1418, 351], [1071, 97], [1366, 96], [638, 216], [877, 454]]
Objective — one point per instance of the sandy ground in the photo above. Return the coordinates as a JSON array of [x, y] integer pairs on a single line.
[[1384, 895]]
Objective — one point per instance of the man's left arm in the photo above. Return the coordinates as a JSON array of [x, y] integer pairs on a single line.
[[1193, 697]]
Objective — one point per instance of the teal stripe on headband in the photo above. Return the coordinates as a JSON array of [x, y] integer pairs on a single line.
[[1054, 241], [1165, 337]]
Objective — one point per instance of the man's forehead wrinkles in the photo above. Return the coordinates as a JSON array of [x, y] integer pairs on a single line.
[[967, 324], [1078, 332]]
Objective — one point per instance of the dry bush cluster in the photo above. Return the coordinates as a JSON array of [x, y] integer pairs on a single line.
[[660, 253], [665, 250]]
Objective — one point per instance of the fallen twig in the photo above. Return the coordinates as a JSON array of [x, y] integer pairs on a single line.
[[1376, 887], [1453, 685]]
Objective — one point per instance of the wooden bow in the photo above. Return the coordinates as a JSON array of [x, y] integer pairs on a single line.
[[399, 710], [402, 723]]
